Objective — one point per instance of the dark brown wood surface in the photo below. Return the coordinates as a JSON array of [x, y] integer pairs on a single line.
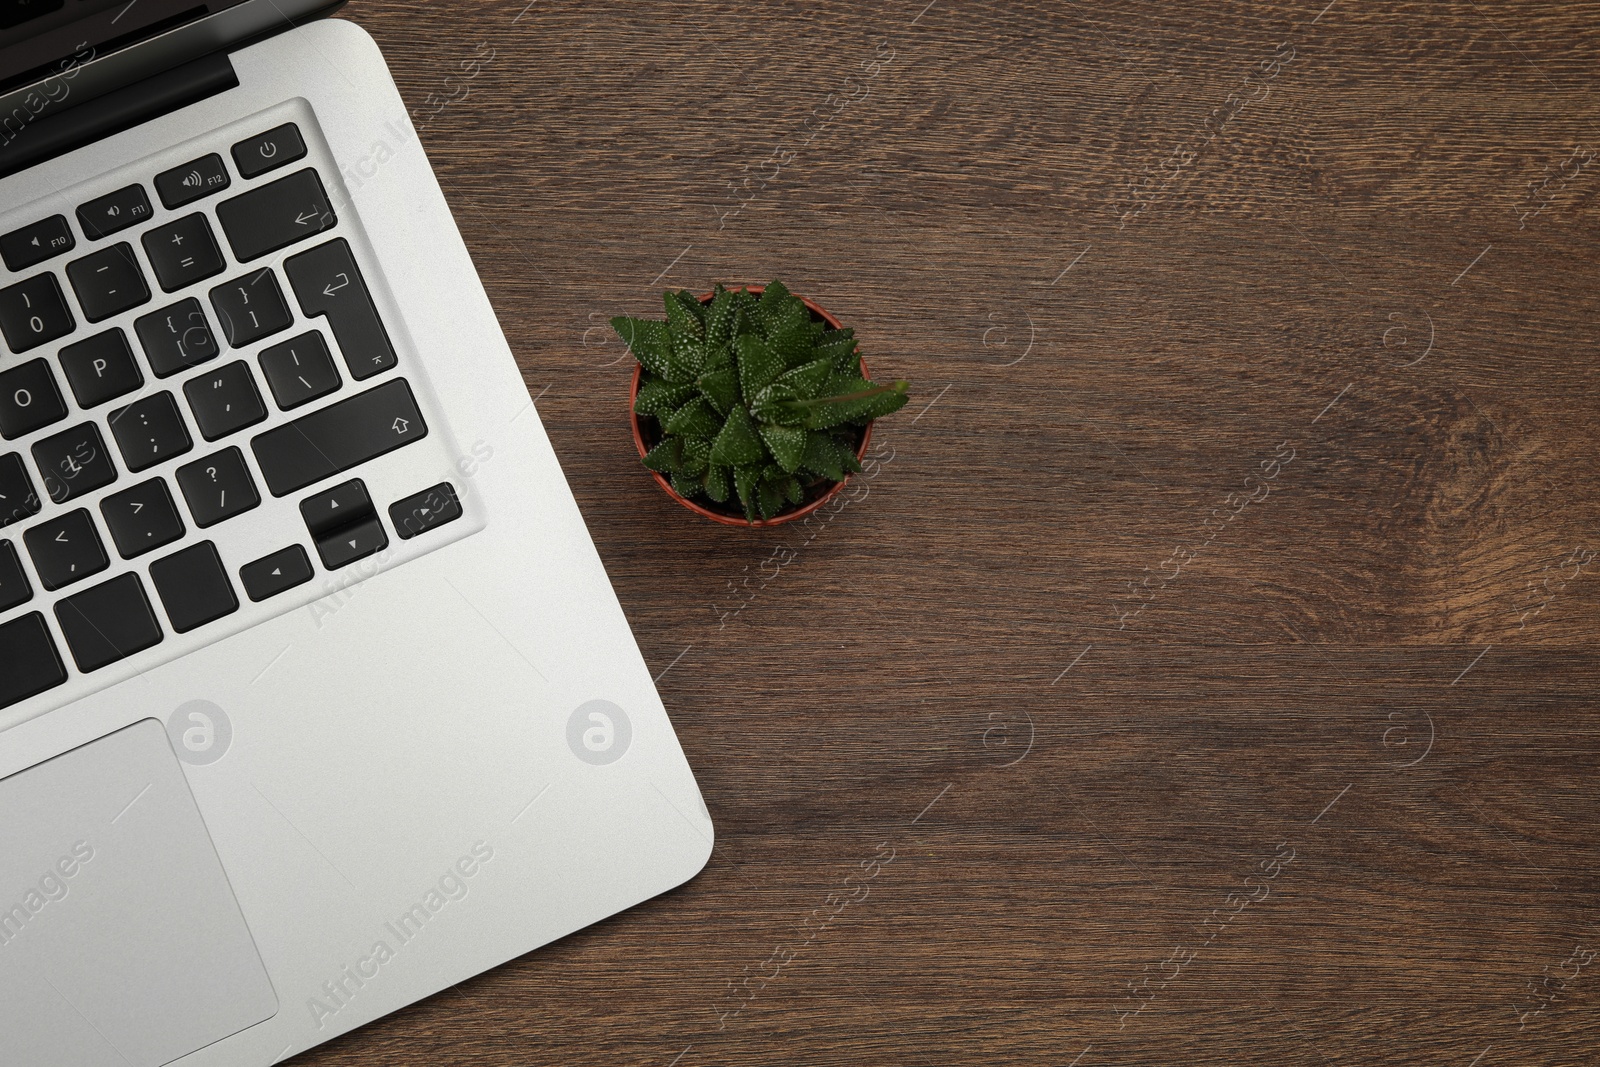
[[1206, 673]]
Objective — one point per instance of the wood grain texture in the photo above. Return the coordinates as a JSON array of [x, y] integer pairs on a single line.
[[1213, 646]]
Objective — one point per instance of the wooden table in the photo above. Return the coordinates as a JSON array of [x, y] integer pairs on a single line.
[[1205, 673]]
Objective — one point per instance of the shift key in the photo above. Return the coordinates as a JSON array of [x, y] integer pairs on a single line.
[[327, 282], [339, 437]]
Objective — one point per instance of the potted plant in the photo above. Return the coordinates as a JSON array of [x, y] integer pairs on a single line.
[[752, 400]]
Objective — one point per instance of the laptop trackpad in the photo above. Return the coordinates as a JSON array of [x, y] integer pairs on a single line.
[[120, 942]]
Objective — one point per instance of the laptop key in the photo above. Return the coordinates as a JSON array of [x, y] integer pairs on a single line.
[[352, 543], [425, 511], [194, 587], [276, 215], [37, 242], [108, 282], [74, 462], [183, 252], [29, 400], [14, 587], [105, 215], [300, 371], [18, 501], [34, 312], [250, 308], [101, 368], [277, 573], [108, 623], [276, 148], [30, 660], [142, 519], [176, 338], [66, 550], [225, 400], [327, 282], [218, 487], [150, 431], [339, 437], [332, 509], [192, 181]]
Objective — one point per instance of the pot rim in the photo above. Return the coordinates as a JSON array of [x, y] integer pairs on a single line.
[[721, 517]]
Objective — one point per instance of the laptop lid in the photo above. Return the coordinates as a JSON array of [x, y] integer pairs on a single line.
[[58, 55]]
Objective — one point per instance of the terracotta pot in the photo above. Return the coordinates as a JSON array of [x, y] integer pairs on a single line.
[[726, 518]]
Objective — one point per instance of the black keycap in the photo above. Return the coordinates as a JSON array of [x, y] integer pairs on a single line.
[[352, 543], [299, 371], [149, 431], [327, 282], [106, 215], [108, 623], [192, 181], [74, 462], [101, 368], [29, 662], [142, 519], [37, 242], [339, 437], [276, 215], [333, 509], [14, 587], [176, 338], [183, 252], [250, 308], [33, 313], [277, 573], [66, 549], [18, 501], [264, 151], [218, 487], [194, 587], [425, 511], [108, 282], [29, 399], [225, 400]]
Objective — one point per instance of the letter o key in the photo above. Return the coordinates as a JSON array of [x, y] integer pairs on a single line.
[[23, 398]]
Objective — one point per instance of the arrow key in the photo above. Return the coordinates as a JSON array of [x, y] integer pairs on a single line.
[[66, 550], [352, 543], [277, 573], [142, 519], [425, 510]]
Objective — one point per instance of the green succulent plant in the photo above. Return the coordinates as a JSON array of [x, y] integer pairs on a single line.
[[756, 400]]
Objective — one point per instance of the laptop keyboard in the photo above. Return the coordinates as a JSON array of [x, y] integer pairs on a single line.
[[121, 441]]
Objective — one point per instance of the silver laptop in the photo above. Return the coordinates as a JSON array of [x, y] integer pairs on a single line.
[[314, 696]]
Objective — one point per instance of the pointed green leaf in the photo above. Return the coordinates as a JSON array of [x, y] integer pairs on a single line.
[[697, 418], [647, 340], [685, 314], [721, 387], [719, 318], [822, 456], [793, 492], [666, 456], [852, 400], [793, 344], [660, 398], [807, 379], [788, 445], [737, 443], [769, 497], [716, 483], [758, 364], [744, 481], [685, 485], [696, 457], [774, 406], [686, 360]]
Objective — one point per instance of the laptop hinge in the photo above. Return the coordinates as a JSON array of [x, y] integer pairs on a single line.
[[48, 136]]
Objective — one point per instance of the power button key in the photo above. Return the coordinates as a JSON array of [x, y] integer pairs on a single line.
[[268, 151]]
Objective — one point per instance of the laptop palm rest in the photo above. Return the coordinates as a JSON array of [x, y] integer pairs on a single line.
[[121, 943]]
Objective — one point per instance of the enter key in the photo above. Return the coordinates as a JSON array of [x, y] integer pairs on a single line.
[[327, 282]]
